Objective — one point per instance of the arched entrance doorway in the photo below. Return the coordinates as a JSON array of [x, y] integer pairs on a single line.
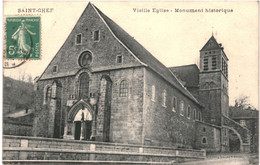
[[80, 122], [234, 142]]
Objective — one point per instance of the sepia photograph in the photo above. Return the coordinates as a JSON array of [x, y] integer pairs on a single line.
[[119, 82]]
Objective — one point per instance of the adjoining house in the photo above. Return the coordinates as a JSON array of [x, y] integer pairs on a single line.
[[103, 85], [248, 118]]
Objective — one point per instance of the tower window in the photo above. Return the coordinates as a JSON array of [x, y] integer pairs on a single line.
[[153, 93], [206, 63], [214, 62], [78, 39], [182, 108], [204, 129], [96, 35], [164, 98], [123, 90], [119, 59], [224, 67]]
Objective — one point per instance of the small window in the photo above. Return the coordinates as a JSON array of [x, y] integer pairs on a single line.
[[204, 129], [242, 122], [96, 35], [119, 59], [174, 104], [164, 98], [204, 140], [188, 112], [123, 90], [55, 69], [182, 108], [78, 39], [153, 93]]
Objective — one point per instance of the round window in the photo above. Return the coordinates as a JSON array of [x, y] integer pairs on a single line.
[[85, 58]]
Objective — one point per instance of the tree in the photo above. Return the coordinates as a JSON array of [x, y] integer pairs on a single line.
[[242, 102]]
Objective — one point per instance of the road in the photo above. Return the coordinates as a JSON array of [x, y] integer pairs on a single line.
[[227, 161], [236, 160]]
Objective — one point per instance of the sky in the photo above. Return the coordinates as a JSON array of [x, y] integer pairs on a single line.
[[174, 38]]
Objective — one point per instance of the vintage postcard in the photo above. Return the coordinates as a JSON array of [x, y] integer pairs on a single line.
[[121, 82]]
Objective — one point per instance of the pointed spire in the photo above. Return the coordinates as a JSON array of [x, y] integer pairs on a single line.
[[211, 44]]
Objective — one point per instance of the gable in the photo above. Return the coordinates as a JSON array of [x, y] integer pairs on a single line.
[[113, 41], [104, 51]]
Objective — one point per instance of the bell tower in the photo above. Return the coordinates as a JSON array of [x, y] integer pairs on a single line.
[[213, 78]]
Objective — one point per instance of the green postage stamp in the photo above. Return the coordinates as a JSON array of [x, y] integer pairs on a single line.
[[23, 37]]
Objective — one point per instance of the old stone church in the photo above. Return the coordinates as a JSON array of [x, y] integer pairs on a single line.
[[103, 85]]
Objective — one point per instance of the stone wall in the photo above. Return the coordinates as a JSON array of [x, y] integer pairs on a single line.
[[126, 112], [35, 148], [163, 125], [14, 128], [211, 134]]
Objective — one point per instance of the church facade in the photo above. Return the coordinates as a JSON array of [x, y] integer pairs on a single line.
[[103, 85]]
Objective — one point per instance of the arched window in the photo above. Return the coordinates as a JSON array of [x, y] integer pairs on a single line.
[[188, 112], [153, 93], [182, 108], [123, 90], [174, 104], [83, 85], [204, 140], [194, 114], [48, 94], [164, 98], [199, 116], [54, 90]]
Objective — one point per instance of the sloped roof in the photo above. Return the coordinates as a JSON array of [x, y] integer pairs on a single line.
[[236, 113], [187, 73], [143, 55], [211, 44]]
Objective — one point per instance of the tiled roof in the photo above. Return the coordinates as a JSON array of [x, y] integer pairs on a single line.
[[187, 73], [236, 113], [143, 55]]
